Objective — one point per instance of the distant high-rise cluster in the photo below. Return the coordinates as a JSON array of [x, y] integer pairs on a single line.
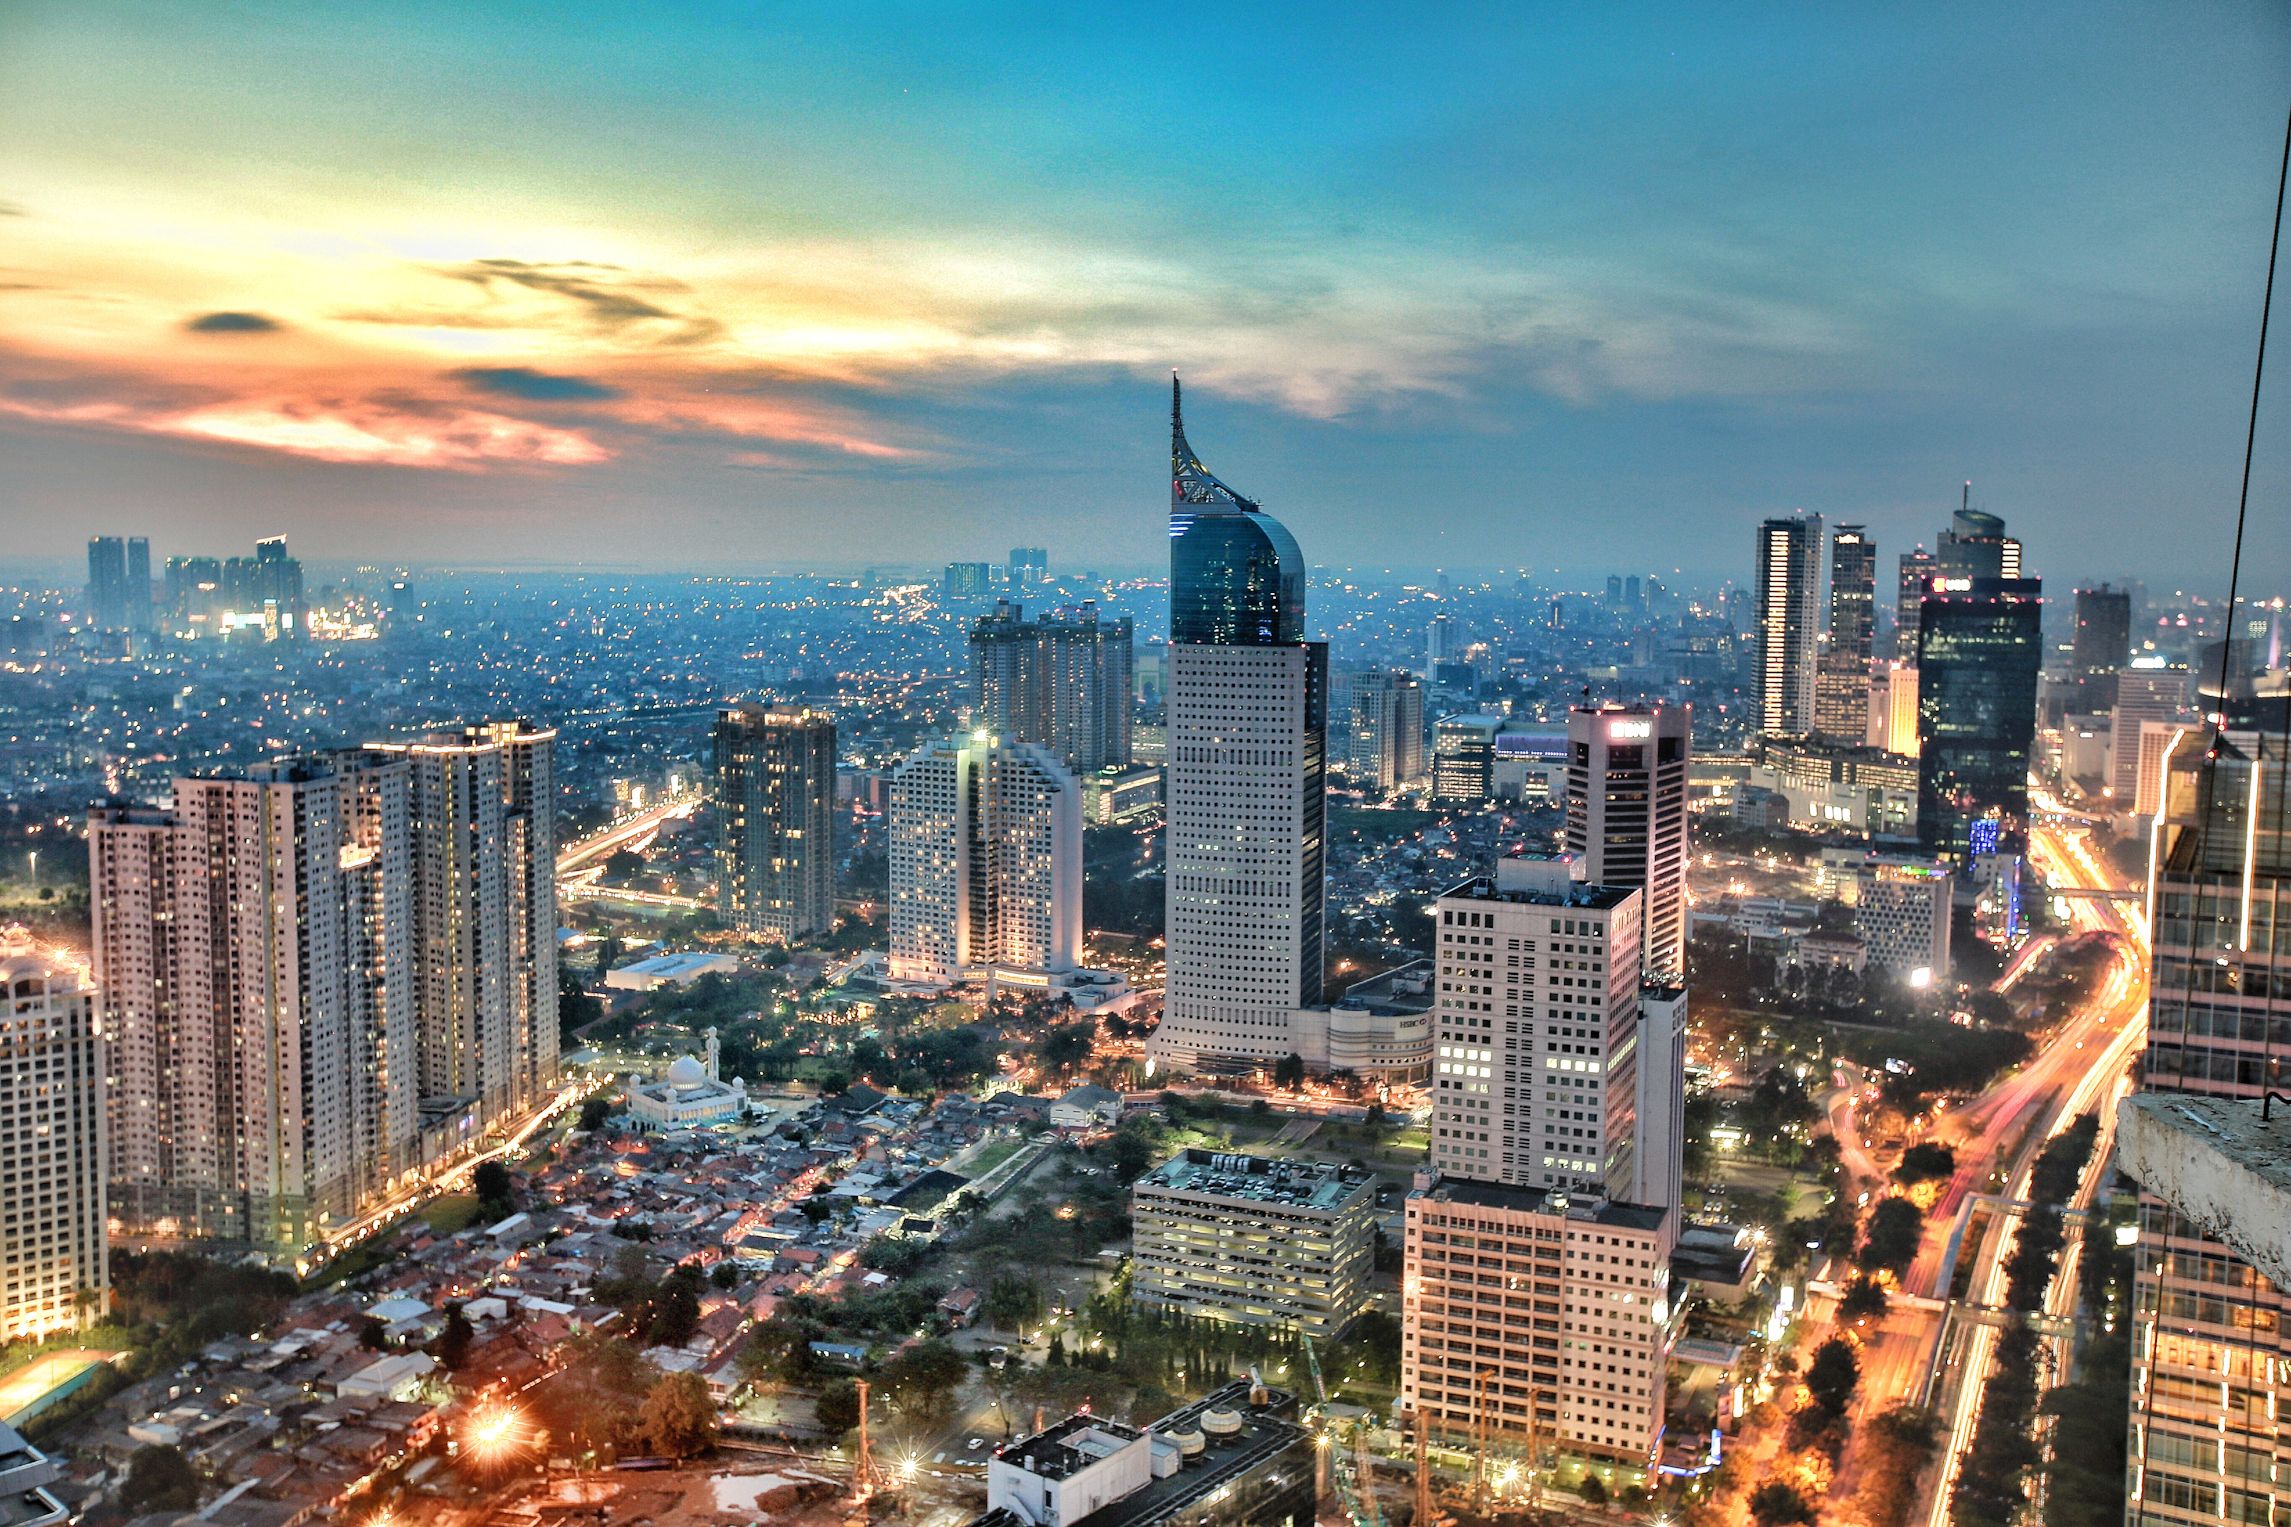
[[775, 820], [119, 583], [321, 974], [1061, 680], [239, 598]]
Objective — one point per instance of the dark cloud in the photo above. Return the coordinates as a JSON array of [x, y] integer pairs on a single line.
[[14, 209], [616, 298], [233, 323], [534, 386]]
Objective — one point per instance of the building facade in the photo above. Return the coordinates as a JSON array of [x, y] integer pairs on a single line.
[[1248, 1240], [986, 863], [1387, 745], [2144, 695], [1247, 782], [1464, 759], [1841, 690], [1902, 910], [55, 1265], [1789, 624], [1061, 680], [775, 820], [1979, 647], [1893, 707], [1627, 815]]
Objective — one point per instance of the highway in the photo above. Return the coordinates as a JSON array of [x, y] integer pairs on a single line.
[[580, 867]]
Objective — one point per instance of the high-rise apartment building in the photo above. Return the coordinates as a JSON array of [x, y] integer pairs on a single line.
[[2211, 1334], [986, 863], [1061, 680], [775, 820], [1979, 647], [254, 954], [967, 580], [1464, 759], [484, 850], [1028, 565], [1627, 815], [54, 1260], [1441, 643], [1248, 739], [1841, 687], [119, 583], [1387, 751], [1789, 623], [1916, 570], [2145, 693]]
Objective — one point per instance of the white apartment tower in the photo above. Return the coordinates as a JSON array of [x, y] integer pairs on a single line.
[[986, 863], [1789, 623], [1627, 815], [1387, 751], [1248, 701], [53, 1245]]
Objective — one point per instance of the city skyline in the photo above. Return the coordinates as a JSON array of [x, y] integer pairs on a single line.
[[470, 281]]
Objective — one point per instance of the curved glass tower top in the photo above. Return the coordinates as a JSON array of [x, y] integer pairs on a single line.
[[1236, 577]]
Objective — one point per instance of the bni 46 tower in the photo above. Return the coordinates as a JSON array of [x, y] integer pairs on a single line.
[[1248, 724]]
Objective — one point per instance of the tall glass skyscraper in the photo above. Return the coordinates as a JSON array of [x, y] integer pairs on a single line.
[[1841, 691], [1979, 647], [1248, 728]]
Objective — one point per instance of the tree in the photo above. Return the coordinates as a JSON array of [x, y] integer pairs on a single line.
[[1289, 1072], [1833, 1376], [1774, 1503], [1135, 1147], [1864, 1300], [679, 1417], [373, 1335], [922, 1380], [1011, 1302], [594, 1112], [1895, 1228], [1594, 1491], [159, 1478], [725, 1275], [675, 1313], [837, 1407], [1926, 1161], [496, 1190], [454, 1340]]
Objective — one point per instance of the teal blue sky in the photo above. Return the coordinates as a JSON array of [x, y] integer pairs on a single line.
[[1584, 287]]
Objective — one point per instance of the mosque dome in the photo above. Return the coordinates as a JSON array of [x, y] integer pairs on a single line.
[[687, 1072]]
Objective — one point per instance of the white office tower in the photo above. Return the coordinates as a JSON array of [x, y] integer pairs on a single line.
[[1387, 751], [253, 952], [54, 1263], [1627, 815], [485, 917], [1544, 1130], [2149, 692], [1789, 624], [986, 863], [1247, 743]]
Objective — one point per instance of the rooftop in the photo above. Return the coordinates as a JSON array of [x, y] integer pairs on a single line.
[[1264, 1433], [1526, 1200], [1323, 1185], [2224, 1163]]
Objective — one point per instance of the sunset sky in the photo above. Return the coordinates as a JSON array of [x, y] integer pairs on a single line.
[[687, 286]]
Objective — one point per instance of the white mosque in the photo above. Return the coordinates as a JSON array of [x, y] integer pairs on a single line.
[[689, 1096]]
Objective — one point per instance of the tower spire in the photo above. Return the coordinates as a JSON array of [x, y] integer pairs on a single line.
[[1191, 483]]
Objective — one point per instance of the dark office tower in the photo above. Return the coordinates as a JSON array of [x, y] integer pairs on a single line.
[[1841, 693], [1979, 646], [775, 820], [1789, 623], [1627, 816], [2211, 1334], [1916, 571], [1248, 734], [2103, 630], [1975, 546], [107, 583], [1061, 681]]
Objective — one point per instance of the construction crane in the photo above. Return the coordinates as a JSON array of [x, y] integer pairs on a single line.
[[1354, 1481]]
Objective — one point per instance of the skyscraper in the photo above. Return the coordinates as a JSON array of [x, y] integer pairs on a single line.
[[775, 820], [484, 846], [2211, 1334], [1789, 623], [1975, 545], [986, 863], [1627, 815], [1248, 703], [1841, 692], [112, 604], [1916, 570], [1061, 680], [1464, 759], [254, 953], [2103, 630], [262, 594], [2154, 692], [1387, 751], [53, 1243], [1979, 646]]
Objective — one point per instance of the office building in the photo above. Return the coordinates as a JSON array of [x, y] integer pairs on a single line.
[[775, 820], [1831, 785], [1893, 706], [1627, 815], [1841, 691], [1789, 624], [119, 583], [1917, 568], [54, 1263], [1902, 908], [1979, 647], [2103, 641], [1975, 546], [1464, 759], [2209, 1328], [2150, 693], [1237, 1457], [1387, 751], [1658, 1159], [484, 838], [986, 864], [967, 580], [1061, 680], [1442, 643], [1248, 738], [1249, 1240], [254, 957]]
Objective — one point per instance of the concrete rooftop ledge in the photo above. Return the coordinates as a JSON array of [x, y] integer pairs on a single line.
[[2217, 1162]]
